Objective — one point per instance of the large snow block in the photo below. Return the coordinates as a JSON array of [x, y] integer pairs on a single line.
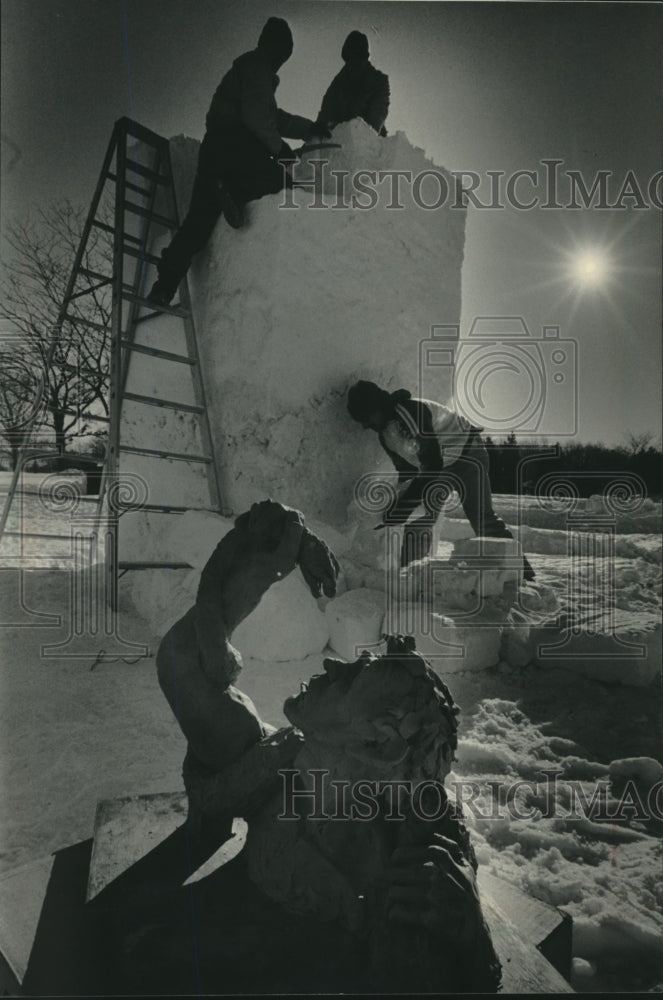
[[355, 621], [194, 535], [162, 596], [623, 656], [440, 583], [294, 307], [497, 561], [286, 625], [450, 646]]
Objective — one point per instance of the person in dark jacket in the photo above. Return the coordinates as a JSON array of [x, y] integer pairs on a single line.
[[424, 439], [358, 91], [241, 152]]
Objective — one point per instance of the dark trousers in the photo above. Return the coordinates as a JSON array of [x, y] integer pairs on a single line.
[[469, 475], [239, 161]]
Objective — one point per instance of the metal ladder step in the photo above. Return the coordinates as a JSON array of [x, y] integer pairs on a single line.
[[90, 289], [176, 456], [140, 168], [130, 206], [144, 192], [182, 359], [124, 565], [170, 404], [164, 508], [95, 275], [149, 258], [136, 240], [131, 296], [41, 534], [87, 322]]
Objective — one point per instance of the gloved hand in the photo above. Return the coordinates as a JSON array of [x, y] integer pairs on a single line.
[[285, 153], [405, 504], [318, 130], [318, 564]]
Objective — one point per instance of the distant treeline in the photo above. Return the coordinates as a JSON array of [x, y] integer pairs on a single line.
[[529, 467]]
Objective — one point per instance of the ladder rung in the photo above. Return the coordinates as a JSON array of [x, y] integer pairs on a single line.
[[38, 534], [167, 508], [176, 456], [111, 229], [145, 213], [79, 456], [141, 255], [139, 168], [103, 225], [87, 322], [138, 240], [169, 403], [157, 353], [95, 275], [132, 187], [153, 565], [38, 452], [171, 310], [90, 289], [167, 310]]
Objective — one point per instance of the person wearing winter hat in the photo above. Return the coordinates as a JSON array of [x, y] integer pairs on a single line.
[[425, 439], [358, 91], [240, 155]]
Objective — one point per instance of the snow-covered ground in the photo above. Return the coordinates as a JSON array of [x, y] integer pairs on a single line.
[[74, 732]]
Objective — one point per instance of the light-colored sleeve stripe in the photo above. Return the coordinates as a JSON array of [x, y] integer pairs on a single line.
[[408, 420]]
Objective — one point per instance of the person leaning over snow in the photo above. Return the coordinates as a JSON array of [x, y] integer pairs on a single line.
[[424, 438], [240, 155], [358, 91]]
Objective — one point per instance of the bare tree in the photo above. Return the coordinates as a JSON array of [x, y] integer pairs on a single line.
[[638, 444], [19, 396], [43, 249]]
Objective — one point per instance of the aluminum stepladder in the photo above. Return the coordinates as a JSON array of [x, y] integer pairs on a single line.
[[137, 174]]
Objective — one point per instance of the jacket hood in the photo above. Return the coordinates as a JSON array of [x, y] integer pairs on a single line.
[[399, 396], [355, 48], [275, 42]]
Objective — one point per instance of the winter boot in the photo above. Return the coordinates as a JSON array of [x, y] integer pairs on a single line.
[[232, 208], [528, 572], [161, 293]]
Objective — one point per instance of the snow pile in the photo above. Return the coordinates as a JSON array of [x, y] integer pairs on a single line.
[[528, 801], [597, 513]]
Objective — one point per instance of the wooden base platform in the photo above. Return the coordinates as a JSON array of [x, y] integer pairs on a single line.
[[103, 916]]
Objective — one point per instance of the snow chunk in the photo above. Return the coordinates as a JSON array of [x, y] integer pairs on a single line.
[[626, 656], [286, 625], [194, 535], [642, 770], [449, 646], [355, 621]]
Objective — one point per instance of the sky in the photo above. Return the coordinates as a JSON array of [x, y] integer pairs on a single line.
[[481, 87]]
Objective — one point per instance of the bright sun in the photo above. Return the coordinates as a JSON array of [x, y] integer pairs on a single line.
[[590, 268]]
